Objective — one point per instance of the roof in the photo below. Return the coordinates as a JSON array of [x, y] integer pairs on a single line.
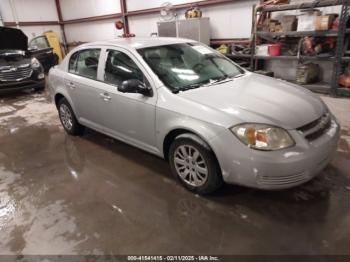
[[141, 42]]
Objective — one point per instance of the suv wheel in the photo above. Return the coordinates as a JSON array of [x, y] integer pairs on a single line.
[[194, 164], [68, 119]]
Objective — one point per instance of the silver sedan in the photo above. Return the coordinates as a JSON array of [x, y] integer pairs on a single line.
[[212, 120]]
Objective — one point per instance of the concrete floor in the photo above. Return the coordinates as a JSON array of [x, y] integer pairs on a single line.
[[94, 195]]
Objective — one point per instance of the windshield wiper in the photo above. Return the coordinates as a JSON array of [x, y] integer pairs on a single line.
[[188, 87], [218, 80], [192, 86], [223, 79], [215, 81], [239, 75]]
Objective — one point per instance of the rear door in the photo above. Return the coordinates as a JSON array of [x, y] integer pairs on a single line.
[[83, 86]]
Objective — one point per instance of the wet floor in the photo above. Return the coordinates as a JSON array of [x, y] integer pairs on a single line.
[[95, 195]]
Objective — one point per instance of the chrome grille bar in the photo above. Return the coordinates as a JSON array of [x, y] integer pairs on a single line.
[[15, 73], [316, 128]]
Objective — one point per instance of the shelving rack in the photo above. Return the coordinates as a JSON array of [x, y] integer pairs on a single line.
[[341, 34]]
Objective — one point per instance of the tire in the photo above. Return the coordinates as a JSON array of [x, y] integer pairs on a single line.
[[68, 119], [194, 164]]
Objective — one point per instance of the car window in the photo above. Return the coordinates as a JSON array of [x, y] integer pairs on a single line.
[[85, 63], [72, 68], [39, 42], [120, 67], [188, 65]]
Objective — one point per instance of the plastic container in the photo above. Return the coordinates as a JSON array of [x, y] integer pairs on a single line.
[[274, 49], [344, 80], [262, 50]]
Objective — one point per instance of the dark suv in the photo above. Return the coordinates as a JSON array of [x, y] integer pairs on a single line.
[[21, 68]]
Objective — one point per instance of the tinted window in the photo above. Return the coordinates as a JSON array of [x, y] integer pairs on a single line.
[[120, 67], [85, 63]]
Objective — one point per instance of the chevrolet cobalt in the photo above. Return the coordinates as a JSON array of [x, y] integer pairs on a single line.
[[212, 120]]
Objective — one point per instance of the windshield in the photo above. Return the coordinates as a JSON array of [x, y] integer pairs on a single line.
[[189, 65]]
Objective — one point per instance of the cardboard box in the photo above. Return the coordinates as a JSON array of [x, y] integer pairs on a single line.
[[278, 28], [272, 25], [324, 22], [265, 26], [289, 18], [306, 21], [289, 23]]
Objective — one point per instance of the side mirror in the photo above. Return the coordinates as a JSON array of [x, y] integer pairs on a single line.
[[135, 86]]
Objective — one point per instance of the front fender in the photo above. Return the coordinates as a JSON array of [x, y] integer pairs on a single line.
[[168, 121]]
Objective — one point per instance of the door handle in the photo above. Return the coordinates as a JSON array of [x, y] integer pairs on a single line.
[[71, 85], [105, 96]]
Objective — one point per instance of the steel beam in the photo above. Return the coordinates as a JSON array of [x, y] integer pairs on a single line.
[[180, 6], [36, 23], [123, 8], [92, 18], [60, 20]]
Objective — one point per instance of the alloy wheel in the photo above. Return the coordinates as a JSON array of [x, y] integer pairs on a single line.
[[66, 116], [190, 165]]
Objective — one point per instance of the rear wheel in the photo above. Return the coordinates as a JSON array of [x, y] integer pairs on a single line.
[[194, 164], [68, 119]]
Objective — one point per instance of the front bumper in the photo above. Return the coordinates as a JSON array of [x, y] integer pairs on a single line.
[[275, 169], [11, 87]]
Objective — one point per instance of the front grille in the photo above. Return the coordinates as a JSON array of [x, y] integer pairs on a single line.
[[316, 128], [282, 180], [11, 73]]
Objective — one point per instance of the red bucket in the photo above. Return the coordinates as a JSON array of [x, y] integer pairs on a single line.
[[275, 49]]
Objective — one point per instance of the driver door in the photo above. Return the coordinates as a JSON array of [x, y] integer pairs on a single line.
[[127, 116]]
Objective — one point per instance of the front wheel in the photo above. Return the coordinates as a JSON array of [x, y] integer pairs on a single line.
[[68, 119], [194, 164]]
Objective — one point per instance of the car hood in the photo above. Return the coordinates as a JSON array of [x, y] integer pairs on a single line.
[[12, 38], [257, 98]]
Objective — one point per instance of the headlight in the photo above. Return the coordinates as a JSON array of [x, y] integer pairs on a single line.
[[263, 137], [35, 63]]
